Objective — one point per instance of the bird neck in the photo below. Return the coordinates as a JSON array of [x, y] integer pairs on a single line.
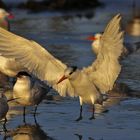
[[3, 97], [96, 46], [74, 75], [22, 83], [4, 23]]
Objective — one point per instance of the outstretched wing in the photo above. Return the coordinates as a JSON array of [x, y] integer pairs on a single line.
[[106, 68], [36, 59]]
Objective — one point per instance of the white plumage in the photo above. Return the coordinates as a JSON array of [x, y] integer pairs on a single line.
[[28, 91], [88, 83]]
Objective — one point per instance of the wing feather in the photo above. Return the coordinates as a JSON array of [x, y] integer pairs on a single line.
[[106, 68], [36, 59]]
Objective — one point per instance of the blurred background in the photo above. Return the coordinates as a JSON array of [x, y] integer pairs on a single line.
[[62, 26]]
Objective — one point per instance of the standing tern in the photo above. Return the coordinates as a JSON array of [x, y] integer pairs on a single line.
[[30, 92], [4, 107], [88, 83], [127, 48], [4, 19], [4, 23]]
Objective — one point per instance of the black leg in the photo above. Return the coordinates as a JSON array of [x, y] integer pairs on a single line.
[[4, 125], [35, 110], [24, 109], [80, 117], [35, 115], [79, 136], [93, 111]]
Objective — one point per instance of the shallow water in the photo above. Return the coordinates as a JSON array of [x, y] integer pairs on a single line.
[[63, 34]]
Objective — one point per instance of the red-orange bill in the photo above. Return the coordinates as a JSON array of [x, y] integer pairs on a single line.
[[91, 38], [61, 79], [11, 16]]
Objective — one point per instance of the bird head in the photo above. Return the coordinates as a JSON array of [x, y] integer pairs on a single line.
[[2, 96], [4, 14], [95, 37], [23, 74], [96, 42], [67, 73]]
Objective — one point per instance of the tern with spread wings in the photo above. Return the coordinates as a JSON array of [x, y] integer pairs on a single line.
[[89, 83]]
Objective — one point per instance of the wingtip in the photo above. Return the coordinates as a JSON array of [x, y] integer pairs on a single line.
[[118, 16]]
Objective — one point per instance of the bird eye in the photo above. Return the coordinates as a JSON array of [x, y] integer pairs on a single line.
[[71, 72]]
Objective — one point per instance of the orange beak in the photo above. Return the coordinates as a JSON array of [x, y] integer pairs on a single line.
[[91, 38], [62, 79], [10, 16]]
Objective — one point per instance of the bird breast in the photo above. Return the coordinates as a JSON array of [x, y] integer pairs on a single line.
[[4, 23], [84, 88], [22, 91], [96, 46]]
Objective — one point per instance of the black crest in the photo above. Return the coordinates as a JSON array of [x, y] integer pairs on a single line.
[[74, 68], [23, 73]]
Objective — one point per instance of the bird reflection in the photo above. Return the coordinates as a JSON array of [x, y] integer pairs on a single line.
[[27, 132], [119, 92], [80, 137]]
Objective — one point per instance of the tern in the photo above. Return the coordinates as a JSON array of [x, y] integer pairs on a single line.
[[4, 107], [4, 16], [28, 132], [88, 83], [96, 44], [4, 23], [30, 92]]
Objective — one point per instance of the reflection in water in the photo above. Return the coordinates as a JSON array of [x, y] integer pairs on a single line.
[[28, 132], [80, 137], [118, 93]]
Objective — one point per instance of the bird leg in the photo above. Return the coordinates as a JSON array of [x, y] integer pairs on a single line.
[[24, 109], [4, 125], [93, 111], [79, 136], [81, 109], [80, 117], [35, 110], [35, 121], [35, 114]]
